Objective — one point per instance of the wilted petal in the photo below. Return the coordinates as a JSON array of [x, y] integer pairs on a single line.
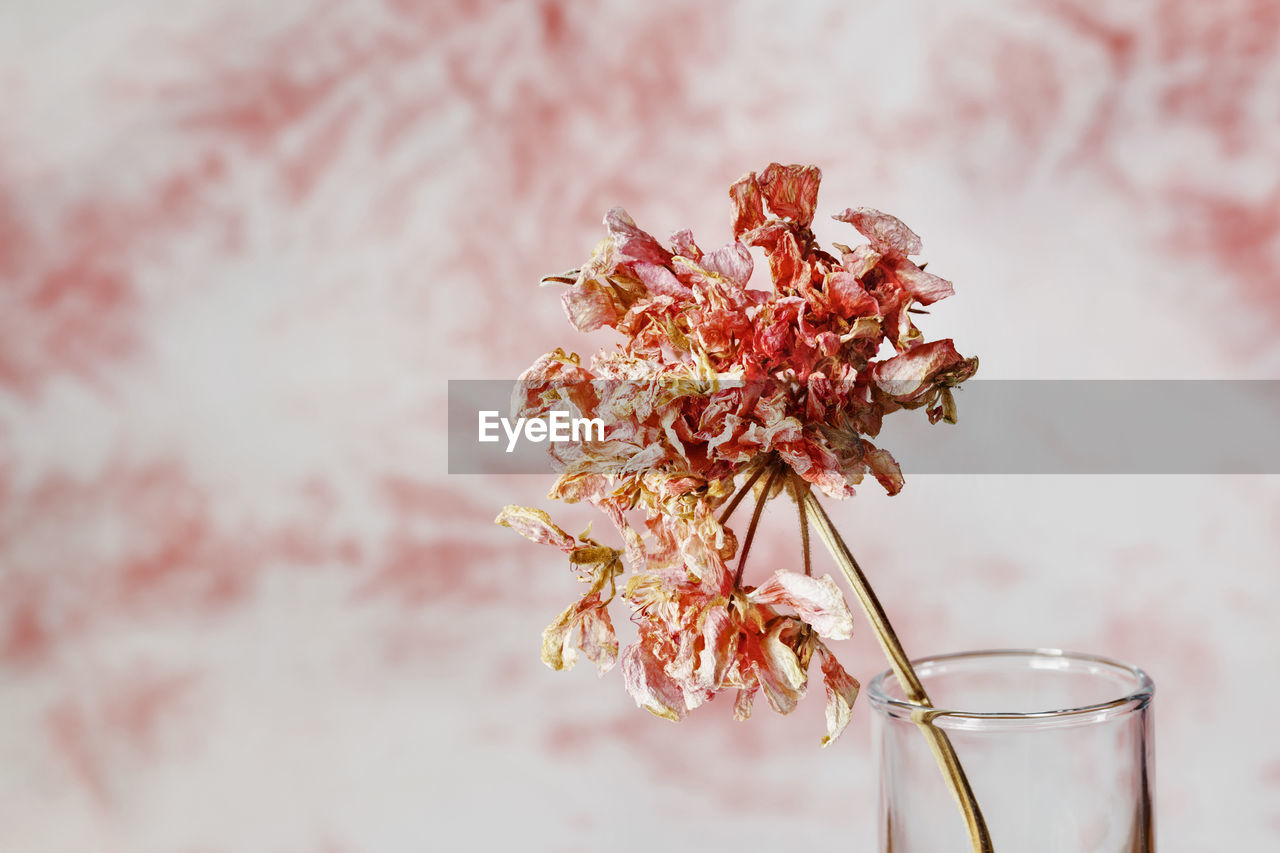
[[888, 234], [599, 642], [904, 375], [732, 261], [926, 288], [748, 209], [817, 601], [633, 244], [861, 260], [661, 281], [719, 645], [536, 526], [848, 297], [556, 376], [682, 244], [649, 684], [817, 464], [781, 676], [589, 305], [742, 704], [885, 468], [842, 691], [791, 191], [557, 640]]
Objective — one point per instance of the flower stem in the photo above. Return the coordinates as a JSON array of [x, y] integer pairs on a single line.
[[943, 750], [742, 493], [794, 482], [761, 499]]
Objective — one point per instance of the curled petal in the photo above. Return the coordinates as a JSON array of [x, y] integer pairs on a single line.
[[590, 305], [926, 288], [633, 244], [885, 468], [662, 282], [888, 234], [906, 375], [557, 640], [648, 683], [599, 642], [782, 677], [536, 526], [732, 262], [842, 691], [555, 377], [682, 244], [791, 191], [848, 297], [589, 618], [719, 645], [860, 261], [742, 704], [817, 601], [748, 208]]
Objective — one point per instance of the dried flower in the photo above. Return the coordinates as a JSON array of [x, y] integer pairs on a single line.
[[713, 380]]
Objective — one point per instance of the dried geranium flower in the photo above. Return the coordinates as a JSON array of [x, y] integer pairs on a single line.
[[714, 382]]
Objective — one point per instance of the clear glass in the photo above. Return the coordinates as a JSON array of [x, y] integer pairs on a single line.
[[1056, 745]]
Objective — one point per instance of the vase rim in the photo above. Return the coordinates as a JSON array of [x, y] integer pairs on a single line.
[[1137, 697]]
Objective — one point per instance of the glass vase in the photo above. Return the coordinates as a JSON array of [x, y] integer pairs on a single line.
[[1056, 745]]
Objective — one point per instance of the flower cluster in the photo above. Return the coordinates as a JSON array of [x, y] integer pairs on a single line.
[[715, 379]]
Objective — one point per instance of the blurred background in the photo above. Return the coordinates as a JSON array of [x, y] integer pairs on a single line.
[[243, 247]]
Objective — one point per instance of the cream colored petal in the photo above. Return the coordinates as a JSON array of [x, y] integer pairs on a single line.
[[817, 601], [535, 525]]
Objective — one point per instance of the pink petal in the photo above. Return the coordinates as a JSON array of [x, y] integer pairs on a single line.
[[536, 526], [682, 244], [633, 244], [599, 642], [888, 234], [861, 260], [719, 646], [817, 601], [661, 281], [926, 288], [732, 261], [791, 191], [649, 684]]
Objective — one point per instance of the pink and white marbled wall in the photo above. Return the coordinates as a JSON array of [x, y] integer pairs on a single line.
[[243, 247]]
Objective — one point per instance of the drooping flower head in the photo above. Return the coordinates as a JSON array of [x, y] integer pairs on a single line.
[[715, 379]]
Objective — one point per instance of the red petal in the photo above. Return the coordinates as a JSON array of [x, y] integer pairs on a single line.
[[748, 210], [848, 298], [791, 191]]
